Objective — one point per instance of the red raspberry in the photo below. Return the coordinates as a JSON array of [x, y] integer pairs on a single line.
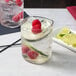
[[21, 14], [35, 22], [25, 49], [16, 18], [7, 1], [19, 2], [32, 54], [37, 26], [36, 31]]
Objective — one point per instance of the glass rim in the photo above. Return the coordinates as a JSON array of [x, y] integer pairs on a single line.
[[38, 17], [47, 30]]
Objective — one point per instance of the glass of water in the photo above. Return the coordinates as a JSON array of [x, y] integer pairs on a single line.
[[10, 14], [36, 48]]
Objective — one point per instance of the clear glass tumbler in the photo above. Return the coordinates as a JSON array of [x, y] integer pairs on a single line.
[[36, 48], [10, 13]]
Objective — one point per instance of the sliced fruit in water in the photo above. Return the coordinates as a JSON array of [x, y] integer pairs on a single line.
[[31, 47], [25, 49], [32, 54], [18, 2], [16, 18], [39, 51]]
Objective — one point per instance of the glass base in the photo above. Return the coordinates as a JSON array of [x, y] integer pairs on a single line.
[[39, 60]]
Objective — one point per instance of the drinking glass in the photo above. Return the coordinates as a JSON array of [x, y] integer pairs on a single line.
[[9, 14], [36, 48]]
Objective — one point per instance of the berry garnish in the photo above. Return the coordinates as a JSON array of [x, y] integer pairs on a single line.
[[36, 26], [21, 14], [32, 54], [7, 1], [25, 49], [36, 31], [16, 18], [19, 2], [35, 22]]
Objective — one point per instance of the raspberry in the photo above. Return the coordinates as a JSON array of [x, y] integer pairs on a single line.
[[37, 26], [32, 54], [35, 22], [19, 2], [7, 1], [21, 14], [25, 49], [36, 31], [16, 18]]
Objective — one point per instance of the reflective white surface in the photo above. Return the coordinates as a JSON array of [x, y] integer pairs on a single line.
[[62, 63]]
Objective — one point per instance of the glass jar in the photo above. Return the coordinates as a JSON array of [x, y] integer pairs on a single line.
[[36, 48], [10, 13]]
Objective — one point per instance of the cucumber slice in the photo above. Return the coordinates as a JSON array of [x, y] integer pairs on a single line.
[[25, 56], [39, 51], [27, 44]]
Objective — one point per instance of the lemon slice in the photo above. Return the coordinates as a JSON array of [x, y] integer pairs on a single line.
[[65, 30], [67, 36]]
